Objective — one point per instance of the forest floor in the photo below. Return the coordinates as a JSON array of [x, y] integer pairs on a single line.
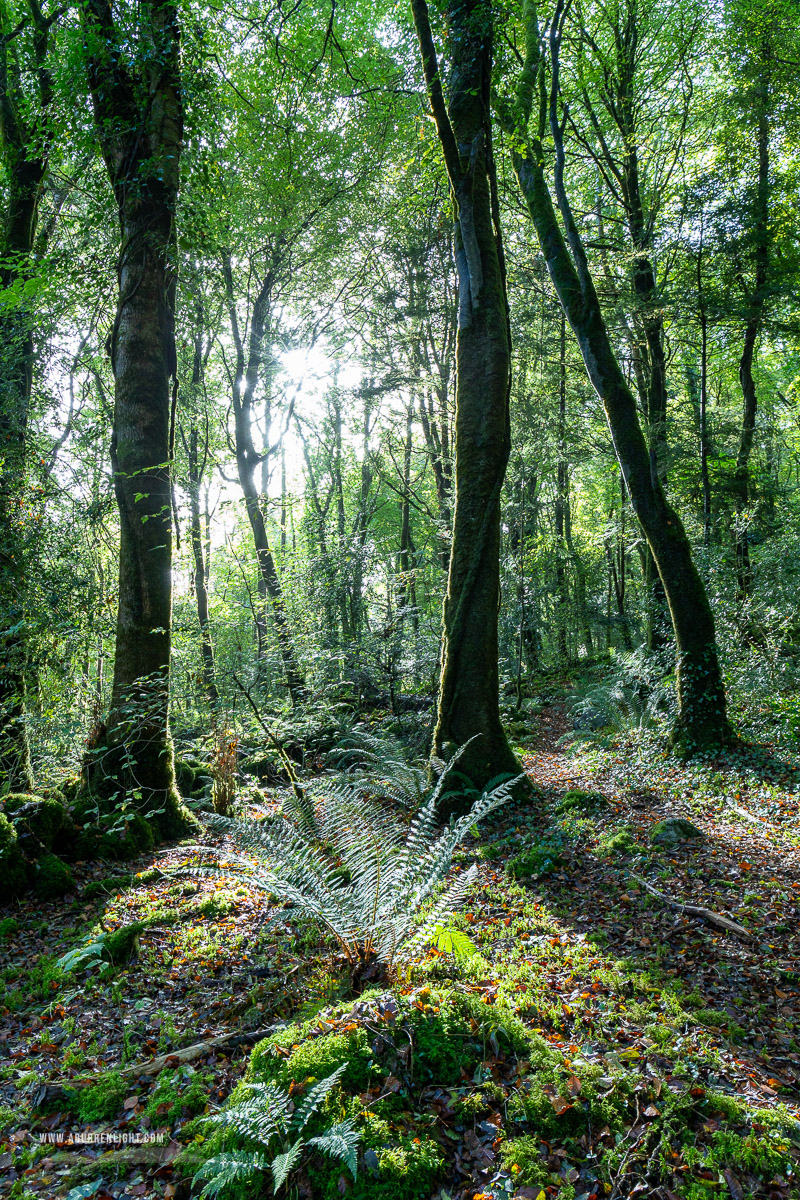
[[686, 1033]]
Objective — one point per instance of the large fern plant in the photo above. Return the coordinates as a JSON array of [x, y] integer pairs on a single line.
[[270, 1119], [358, 867]]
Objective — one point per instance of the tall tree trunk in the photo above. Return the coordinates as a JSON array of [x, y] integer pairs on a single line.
[[248, 461], [138, 111], [702, 719], [741, 477], [197, 461], [24, 152], [468, 698], [562, 501]]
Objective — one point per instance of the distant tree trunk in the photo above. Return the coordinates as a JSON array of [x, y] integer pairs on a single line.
[[562, 502], [24, 153], [248, 460], [468, 697], [741, 477], [138, 112], [702, 719], [197, 456]]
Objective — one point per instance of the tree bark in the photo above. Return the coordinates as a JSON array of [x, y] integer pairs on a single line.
[[468, 698], [138, 111], [24, 148], [741, 477], [702, 719]]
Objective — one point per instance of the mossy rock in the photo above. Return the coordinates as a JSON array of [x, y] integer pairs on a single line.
[[185, 776], [619, 843], [13, 868], [135, 836], [583, 801], [51, 877], [537, 861], [112, 885], [123, 943], [674, 831], [36, 820]]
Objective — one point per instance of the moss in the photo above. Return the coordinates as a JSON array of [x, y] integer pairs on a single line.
[[123, 943], [185, 777], [8, 927], [620, 842], [538, 860], [176, 1092], [51, 877], [313, 1059], [110, 886], [36, 820], [522, 1158], [103, 1100], [13, 869], [674, 830], [584, 801]]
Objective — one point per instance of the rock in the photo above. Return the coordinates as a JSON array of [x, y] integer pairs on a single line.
[[589, 718], [673, 831]]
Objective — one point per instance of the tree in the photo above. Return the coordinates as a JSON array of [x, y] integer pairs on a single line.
[[135, 83], [25, 139], [468, 695], [702, 718]]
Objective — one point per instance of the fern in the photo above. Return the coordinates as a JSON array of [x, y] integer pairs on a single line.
[[394, 865], [266, 1116]]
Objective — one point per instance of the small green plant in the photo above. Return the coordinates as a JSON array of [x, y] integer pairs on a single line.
[[268, 1118], [582, 801], [453, 941], [537, 861], [620, 842], [393, 866], [175, 1091], [8, 927], [103, 1099]]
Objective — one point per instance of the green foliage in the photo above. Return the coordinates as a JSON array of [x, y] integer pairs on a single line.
[[8, 927], [13, 870], [51, 877], [115, 947], [110, 886], [620, 842], [394, 866], [576, 800], [273, 1130], [539, 860], [453, 941], [176, 1091], [102, 1101]]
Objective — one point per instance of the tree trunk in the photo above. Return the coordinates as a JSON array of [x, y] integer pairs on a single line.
[[248, 460], [139, 123], [24, 151], [468, 698], [741, 478], [702, 721]]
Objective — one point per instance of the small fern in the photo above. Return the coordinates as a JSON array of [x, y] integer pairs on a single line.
[[268, 1118], [392, 866]]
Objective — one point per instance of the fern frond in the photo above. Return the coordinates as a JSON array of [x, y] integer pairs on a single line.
[[230, 1167], [282, 1164], [314, 1098], [340, 1141]]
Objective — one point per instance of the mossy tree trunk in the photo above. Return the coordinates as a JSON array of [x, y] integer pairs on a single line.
[[468, 697], [702, 719], [24, 150], [138, 114]]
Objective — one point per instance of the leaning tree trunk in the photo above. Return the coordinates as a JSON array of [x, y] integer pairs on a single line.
[[702, 719], [139, 122], [468, 697]]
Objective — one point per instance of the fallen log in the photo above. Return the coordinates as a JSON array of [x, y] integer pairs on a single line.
[[696, 910]]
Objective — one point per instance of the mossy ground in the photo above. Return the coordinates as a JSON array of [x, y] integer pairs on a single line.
[[597, 1043]]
